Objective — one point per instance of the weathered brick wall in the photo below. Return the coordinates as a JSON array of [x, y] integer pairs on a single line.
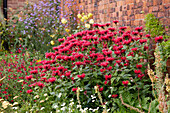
[[128, 12]]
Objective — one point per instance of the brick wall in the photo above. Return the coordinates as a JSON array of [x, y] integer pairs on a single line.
[[128, 12]]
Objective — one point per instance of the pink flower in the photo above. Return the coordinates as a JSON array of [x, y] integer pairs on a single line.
[[41, 85], [125, 83], [114, 96], [108, 77], [137, 71], [81, 76], [158, 39], [138, 66], [34, 71], [29, 91], [104, 64], [52, 79], [134, 49], [29, 77], [115, 21], [74, 89]]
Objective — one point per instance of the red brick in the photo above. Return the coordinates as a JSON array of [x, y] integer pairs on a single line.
[[155, 8]]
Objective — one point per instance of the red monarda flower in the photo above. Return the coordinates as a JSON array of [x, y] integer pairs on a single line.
[[137, 71], [134, 49], [74, 89], [104, 64], [139, 28], [125, 83], [115, 21], [138, 66], [41, 85], [148, 36], [101, 89], [108, 77], [158, 39], [34, 71], [29, 77], [140, 76], [114, 96], [29, 91], [81, 76], [52, 79]]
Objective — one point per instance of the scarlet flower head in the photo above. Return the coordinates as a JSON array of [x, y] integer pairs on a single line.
[[29, 91], [148, 36], [140, 76], [34, 71], [137, 71], [158, 39], [114, 96], [29, 77], [139, 28], [104, 64], [74, 89], [108, 77], [115, 21], [81, 76], [125, 83], [101, 89], [41, 85], [134, 49], [52, 79], [138, 66]]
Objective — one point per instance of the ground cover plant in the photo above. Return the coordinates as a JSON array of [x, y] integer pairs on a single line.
[[97, 70]]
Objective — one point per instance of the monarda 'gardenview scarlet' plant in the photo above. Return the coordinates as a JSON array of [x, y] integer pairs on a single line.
[[113, 60]]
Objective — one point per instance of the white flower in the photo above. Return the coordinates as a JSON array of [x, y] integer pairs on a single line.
[[109, 96], [64, 21], [93, 97], [71, 103], [87, 26], [63, 108], [42, 108], [71, 100], [108, 110], [14, 107], [59, 95], [90, 109], [93, 100], [45, 94], [63, 104], [78, 106], [91, 21]]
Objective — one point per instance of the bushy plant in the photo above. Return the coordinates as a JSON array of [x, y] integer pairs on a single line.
[[92, 68]]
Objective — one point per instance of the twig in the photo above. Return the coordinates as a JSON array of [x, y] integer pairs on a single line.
[[136, 109]]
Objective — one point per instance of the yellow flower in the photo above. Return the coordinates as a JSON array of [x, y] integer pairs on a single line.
[[39, 60], [82, 20], [64, 38], [87, 26], [64, 21], [79, 16], [67, 30], [90, 15], [91, 21], [5, 104], [85, 17], [52, 42], [52, 36], [82, 13]]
